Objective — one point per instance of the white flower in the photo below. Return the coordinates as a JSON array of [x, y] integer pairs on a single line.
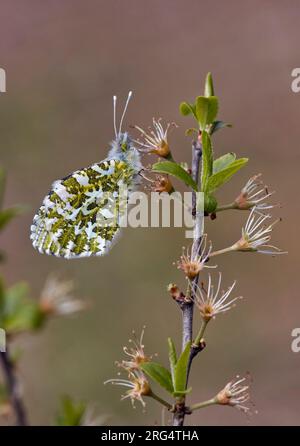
[[136, 354], [211, 302], [254, 193], [192, 265], [236, 394], [136, 384], [156, 140], [56, 297], [256, 235]]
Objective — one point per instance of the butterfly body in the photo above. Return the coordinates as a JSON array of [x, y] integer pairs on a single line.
[[80, 215]]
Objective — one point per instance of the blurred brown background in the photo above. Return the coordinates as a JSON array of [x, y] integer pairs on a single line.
[[64, 60]]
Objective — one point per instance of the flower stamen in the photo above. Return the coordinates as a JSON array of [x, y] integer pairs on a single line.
[[191, 264], [235, 394], [254, 194], [211, 302], [156, 139]]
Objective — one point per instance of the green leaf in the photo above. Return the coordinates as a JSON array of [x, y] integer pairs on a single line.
[[172, 358], [184, 165], [221, 177], [210, 203], [181, 369], [70, 413], [206, 203], [187, 109], [224, 161], [213, 107], [206, 110], [160, 374], [15, 295], [8, 214], [202, 111], [19, 312], [183, 392], [209, 86], [27, 317], [207, 160], [217, 125], [170, 168]]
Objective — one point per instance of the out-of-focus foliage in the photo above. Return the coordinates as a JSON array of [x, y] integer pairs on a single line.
[[19, 312], [71, 413], [6, 215], [5, 407]]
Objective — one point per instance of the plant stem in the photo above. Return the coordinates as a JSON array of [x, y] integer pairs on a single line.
[[197, 153], [203, 404], [160, 400], [179, 414], [226, 207], [188, 307], [13, 389], [187, 322], [200, 334], [222, 251]]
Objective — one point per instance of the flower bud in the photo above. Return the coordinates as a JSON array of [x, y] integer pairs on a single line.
[[210, 204], [163, 184], [163, 150], [175, 292]]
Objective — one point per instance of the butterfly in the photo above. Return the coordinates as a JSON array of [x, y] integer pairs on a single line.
[[80, 216]]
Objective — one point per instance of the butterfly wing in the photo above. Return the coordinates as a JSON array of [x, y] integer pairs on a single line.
[[80, 215]]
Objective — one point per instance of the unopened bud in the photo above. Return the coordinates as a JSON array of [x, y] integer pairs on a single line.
[[175, 292], [163, 184]]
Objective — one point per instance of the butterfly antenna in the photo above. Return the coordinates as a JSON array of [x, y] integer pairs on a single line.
[[115, 114], [125, 108]]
